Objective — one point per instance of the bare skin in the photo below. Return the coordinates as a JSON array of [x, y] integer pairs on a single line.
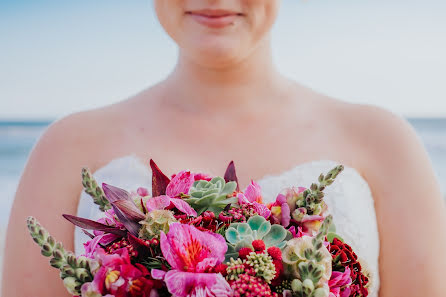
[[201, 119]]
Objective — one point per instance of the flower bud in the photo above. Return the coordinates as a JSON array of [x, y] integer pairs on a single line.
[[308, 287], [296, 285], [82, 274], [320, 292], [72, 285], [46, 250], [68, 270], [82, 262]]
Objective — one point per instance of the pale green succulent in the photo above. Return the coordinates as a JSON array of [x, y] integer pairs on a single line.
[[156, 221], [241, 235], [308, 262], [211, 195]]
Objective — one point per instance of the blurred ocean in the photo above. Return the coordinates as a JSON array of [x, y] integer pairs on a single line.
[[18, 138]]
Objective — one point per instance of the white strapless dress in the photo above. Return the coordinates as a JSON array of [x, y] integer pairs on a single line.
[[349, 199]]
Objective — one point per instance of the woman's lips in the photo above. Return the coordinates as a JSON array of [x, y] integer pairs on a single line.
[[214, 18]]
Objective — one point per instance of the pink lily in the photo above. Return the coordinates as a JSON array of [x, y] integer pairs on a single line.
[[191, 254], [253, 196]]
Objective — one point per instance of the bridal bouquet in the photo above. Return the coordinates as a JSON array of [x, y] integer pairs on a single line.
[[198, 235]]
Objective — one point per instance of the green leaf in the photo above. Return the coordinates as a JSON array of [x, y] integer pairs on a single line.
[[331, 236]]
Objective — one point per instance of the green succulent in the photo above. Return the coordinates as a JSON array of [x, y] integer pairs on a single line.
[[156, 221], [211, 195], [241, 235], [308, 262]]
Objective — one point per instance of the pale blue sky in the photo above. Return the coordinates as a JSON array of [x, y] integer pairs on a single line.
[[57, 57]]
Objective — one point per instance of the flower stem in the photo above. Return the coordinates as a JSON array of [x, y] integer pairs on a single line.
[[73, 271]]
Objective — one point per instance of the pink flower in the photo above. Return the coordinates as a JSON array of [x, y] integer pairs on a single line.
[[281, 210], [143, 192], [197, 176], [181, 183], [299, 232], [253, 196], [192, 254], [202, 176], [339, 283], [311, 224], [118, 277], [164, 201], [102, 238]]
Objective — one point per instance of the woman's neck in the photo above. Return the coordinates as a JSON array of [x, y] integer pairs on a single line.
[[243, 84]]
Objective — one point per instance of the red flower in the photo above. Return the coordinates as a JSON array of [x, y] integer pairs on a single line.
[[343, 256]]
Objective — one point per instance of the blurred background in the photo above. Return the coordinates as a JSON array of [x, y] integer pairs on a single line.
[[58, 57]]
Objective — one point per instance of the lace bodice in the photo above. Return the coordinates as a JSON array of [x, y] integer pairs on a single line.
[[349, 199]]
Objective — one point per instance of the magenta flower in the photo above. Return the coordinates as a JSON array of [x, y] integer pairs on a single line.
[[181, 183], [202, 176], [118, 277], [297, 233], [197, 176], [253, 196], [191, 254], [339, 283], [103, 238]]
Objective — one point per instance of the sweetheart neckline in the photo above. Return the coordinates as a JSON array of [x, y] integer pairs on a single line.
[[262, 179]]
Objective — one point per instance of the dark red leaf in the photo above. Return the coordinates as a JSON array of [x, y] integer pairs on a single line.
[[93, 225], [159, 180], [230, 174]]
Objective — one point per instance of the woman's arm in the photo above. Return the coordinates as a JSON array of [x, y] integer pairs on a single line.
[[49, 186], [410, 208]]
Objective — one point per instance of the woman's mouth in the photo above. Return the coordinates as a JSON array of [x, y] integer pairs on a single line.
[[214, 18]]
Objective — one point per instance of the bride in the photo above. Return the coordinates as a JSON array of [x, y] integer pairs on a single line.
[[225, 100]]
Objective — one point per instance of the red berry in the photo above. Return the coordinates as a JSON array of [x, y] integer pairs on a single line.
[[243, 252], [275, 253], [221, 268], [258, 245]]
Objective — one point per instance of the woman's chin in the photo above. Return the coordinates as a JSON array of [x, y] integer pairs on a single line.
[[217, 56]]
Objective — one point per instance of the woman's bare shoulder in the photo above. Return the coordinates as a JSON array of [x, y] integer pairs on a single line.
[[381, 134]]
